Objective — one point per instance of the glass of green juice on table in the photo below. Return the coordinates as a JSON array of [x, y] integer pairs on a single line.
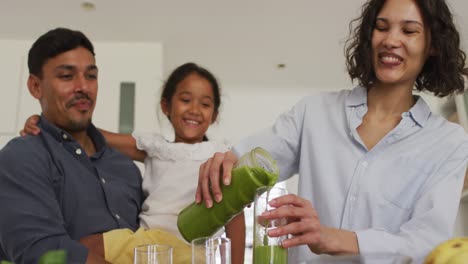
[[268, 250]]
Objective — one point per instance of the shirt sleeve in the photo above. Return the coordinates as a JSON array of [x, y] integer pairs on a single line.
[[31, 222], [282, 140], [433, 216], [151, 143]]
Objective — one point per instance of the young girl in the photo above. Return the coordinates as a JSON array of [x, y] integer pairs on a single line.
[[190, 99]]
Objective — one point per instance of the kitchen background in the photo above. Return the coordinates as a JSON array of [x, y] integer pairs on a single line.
[[267, 54]]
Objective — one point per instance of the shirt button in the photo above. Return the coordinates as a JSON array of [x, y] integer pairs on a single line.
[[78, 151], [353, 198], [117, 216], [64, 136], [103, 180]]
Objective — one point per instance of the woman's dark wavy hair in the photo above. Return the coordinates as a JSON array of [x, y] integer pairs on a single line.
[[442, 74], [180, 73]]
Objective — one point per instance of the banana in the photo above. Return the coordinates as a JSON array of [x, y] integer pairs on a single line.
[[448, 251]]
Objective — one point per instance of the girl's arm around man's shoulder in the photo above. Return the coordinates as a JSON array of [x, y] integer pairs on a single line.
[[124, 143]]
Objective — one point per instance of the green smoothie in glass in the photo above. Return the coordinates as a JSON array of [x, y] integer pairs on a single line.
[[270, 254], [268, 250]]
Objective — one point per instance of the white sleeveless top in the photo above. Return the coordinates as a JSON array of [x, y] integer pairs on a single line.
[[170, 178]]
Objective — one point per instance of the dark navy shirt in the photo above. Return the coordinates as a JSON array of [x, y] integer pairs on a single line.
[[52, 194]]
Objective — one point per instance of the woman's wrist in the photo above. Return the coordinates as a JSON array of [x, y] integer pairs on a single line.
[[336, 242]]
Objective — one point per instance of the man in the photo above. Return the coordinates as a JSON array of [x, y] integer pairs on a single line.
[[64, 185]]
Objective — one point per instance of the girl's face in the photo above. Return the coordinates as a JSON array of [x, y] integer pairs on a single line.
[[191, 109], [400, 43]]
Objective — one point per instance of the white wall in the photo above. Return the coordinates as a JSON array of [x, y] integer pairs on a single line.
[[128, 62], [13, 89]]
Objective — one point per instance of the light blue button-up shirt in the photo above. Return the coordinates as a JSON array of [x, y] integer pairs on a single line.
[[399, 197]]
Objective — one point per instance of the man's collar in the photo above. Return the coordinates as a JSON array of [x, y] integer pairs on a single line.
[[62, 135]]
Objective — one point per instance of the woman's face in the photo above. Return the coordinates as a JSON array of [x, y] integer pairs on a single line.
[[400, 43]]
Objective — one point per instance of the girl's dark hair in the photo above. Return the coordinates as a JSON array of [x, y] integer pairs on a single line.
[[180, 73], [184, 70], [442, 74]]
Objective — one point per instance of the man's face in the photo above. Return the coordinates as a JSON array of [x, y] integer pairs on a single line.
[[67, 89]]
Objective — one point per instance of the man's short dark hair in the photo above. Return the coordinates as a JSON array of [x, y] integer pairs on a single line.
[[53, 43]]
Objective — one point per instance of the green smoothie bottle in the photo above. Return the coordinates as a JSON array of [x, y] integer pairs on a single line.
[[255, 169]]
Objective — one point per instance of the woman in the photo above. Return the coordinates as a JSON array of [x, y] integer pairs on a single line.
[[378, 172]]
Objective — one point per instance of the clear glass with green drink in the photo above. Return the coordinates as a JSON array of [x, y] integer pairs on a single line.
[[268, 250]]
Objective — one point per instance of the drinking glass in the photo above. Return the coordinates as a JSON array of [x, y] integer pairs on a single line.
[[211, 250], [268, 249], [153, 254]]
